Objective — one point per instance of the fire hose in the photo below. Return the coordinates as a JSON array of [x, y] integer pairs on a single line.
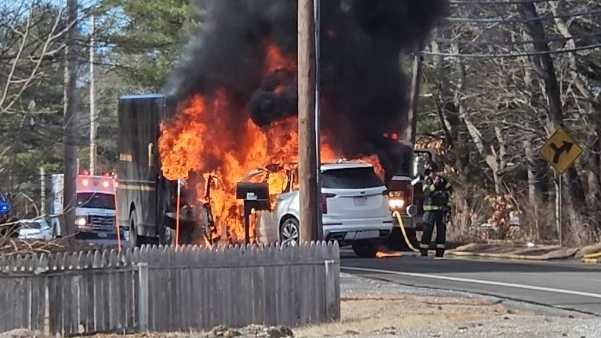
[[593, 258], [397, 215]]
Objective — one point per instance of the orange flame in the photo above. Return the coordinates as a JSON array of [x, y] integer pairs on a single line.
[[276, 60], [206, 137], [197, 139], [383, 254], [375, 161]]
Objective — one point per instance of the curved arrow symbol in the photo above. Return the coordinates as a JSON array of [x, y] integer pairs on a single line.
[[565, 148]]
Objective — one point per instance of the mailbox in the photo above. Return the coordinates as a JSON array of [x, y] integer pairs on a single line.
[[252, 191], [255, 197]]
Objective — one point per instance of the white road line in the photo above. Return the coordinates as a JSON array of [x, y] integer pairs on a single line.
[[476, 281]]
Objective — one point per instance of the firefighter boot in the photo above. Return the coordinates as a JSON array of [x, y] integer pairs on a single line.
[[439, 253], [424, 252]]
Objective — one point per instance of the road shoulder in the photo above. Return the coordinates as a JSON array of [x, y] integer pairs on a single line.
[[376, 308]]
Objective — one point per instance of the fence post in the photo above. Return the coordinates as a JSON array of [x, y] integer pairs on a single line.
[[332, 271], [47, 315], [143, 295]]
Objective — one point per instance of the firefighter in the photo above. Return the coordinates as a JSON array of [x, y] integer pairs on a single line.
[[437, 193]]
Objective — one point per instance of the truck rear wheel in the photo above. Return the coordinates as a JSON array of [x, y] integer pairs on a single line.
[[167, 236], [133, 239]]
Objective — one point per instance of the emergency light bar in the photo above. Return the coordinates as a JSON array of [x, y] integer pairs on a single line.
[[100, 184]]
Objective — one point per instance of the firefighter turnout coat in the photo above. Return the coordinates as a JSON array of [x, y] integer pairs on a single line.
[[437, 193]]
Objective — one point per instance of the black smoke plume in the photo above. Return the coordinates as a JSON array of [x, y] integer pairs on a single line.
[[364, 90]]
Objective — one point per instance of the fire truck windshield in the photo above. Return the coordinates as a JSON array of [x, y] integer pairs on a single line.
[[95, 200]]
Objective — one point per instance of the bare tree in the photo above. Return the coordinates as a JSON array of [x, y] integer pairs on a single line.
[[545, 67], [504, 76], [31, 35]]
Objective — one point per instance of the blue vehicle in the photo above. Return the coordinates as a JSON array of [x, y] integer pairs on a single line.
[[4, 206], [5, 209]]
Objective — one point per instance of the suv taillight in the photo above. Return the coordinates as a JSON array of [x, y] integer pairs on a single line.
[[324, 202]]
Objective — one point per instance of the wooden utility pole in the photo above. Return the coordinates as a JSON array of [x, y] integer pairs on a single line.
[[92, 98], [416, 80], [70, 151], [533, 184], [310, 214], [42, 191], [318, 227]]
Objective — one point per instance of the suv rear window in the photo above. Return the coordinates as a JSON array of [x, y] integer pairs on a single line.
[[352, 178]]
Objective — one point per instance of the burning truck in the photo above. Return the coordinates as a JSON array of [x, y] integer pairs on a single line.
[[231, 108], [144, 197], [152, 183]]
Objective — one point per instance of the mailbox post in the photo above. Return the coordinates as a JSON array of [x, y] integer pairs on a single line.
[[255, 197]]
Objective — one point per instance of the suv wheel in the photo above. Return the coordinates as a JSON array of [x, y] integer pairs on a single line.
[[289, 232], [366, 249]]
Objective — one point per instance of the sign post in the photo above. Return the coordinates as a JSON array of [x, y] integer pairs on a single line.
[[559, 206], [561, 152]]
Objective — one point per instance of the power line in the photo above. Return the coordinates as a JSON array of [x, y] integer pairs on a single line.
[[494, 2], [512, 20], [513, 55], [509, 2], [514, 43]]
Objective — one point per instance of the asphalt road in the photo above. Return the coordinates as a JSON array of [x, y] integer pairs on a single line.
[[567, 285]]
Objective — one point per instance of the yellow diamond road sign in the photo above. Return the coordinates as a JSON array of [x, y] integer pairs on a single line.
[[561, 151]]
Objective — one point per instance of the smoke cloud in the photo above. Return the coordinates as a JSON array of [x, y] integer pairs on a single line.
[[364, 90]]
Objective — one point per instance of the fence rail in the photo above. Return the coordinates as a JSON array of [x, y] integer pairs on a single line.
[[166, 289]]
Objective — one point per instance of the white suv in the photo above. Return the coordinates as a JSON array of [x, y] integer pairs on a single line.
[[354, 206]]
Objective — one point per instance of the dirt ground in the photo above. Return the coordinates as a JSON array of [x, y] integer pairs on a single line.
[[380, 309], [391, 313], [422, 316]]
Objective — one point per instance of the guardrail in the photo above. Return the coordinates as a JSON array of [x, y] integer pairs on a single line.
[[165, 289]]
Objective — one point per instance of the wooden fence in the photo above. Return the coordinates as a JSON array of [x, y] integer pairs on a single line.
[[165, 289]]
